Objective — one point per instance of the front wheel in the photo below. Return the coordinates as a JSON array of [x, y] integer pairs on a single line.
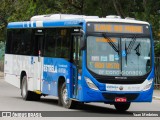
[[122, 106], [67, 103]]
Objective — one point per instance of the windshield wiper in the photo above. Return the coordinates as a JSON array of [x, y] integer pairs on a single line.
[[126, 53], [111, 43], [137, 49], [131, 44]]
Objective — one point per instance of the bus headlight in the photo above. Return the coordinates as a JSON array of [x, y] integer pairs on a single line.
[[90, 84], [148, 85]]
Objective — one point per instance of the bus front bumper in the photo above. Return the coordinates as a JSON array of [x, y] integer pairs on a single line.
[[90, 95]]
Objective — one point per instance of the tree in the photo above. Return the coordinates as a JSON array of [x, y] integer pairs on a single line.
[[118, 8], [6, 9], [77, 4]]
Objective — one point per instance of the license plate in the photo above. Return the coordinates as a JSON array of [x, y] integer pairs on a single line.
[[120, 99]]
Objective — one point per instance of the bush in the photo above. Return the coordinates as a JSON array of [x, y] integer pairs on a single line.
[[157, 49], [2, 49]]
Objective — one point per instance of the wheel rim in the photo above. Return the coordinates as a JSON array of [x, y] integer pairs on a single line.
[[64, 96]]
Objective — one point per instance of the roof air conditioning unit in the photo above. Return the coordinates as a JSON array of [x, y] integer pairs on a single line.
[[113, 17]]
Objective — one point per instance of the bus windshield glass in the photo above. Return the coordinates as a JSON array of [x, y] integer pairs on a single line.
[[119, 56]]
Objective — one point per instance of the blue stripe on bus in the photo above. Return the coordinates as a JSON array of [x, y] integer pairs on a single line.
[[32, 24]]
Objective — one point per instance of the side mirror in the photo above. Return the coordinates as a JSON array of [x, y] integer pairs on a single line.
[[82, 42]]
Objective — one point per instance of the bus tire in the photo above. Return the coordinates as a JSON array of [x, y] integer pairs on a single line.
[[63, 98], [122, 106], [26, 95]]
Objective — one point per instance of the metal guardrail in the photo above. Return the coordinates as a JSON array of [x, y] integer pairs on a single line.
[[157, 73]]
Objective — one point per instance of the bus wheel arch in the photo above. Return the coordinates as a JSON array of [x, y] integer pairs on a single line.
[[25, 93]]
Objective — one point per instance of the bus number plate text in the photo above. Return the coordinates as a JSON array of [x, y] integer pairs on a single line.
[[120, 99]]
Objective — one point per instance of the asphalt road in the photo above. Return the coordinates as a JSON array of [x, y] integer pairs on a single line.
[[10, 100]]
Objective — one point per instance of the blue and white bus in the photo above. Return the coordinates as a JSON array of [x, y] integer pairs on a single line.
[[81, 59]]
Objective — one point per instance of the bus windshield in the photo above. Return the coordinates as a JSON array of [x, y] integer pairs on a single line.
[[119, 56]]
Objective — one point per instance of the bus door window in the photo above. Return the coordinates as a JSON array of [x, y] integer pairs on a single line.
[[77, 57], [38, 43], [77, 61]]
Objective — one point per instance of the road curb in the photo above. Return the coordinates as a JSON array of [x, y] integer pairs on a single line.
[[156, 97]]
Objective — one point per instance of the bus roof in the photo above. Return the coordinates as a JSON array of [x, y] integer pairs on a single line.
[[68, 20]]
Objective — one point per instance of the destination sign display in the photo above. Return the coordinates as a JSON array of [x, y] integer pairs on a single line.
[[118, 28]]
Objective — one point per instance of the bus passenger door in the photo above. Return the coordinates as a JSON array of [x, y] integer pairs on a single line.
[[76, 64], [38, 61]]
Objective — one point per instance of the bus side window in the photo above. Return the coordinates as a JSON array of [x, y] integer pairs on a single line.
[[17, 42], [27, 41], [9, 42], [57, 43], [50, 43]]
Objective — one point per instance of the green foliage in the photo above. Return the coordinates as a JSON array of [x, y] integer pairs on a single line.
[[157, 49], [2, 49]]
